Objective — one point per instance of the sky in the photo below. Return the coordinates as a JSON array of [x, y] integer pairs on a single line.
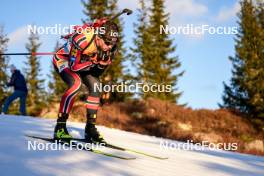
[[204, 57]]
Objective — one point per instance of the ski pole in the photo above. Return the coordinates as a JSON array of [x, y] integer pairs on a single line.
[[32, 54], [127, 11]]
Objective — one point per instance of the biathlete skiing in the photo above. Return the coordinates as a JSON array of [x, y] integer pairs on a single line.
[[85, 56]]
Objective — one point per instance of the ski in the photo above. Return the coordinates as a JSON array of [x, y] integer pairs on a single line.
[[124, 149], [75, 144]]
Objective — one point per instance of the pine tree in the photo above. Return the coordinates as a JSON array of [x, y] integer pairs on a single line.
[[141, 42], [94, 9], [3, 63], [56, 85], [261, 13], [245, 92], [260, 103], [141, 35], [157, 65], [35, 100]]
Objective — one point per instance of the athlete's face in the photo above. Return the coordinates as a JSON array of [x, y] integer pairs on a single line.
[[102, 44]]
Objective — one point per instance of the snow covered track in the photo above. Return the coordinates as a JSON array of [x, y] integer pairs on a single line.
[[16, 159]]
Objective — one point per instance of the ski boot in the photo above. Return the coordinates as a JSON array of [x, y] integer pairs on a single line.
[[91, 134], [60, 131]]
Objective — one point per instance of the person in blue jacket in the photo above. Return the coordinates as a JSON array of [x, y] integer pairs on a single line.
[[20, 91]]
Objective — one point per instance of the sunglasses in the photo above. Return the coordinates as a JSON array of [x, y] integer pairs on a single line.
[[109, 42]]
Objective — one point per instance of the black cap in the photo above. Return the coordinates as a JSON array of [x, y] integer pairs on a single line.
[[111, 32]]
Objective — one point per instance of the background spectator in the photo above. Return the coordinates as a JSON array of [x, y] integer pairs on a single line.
[[20, 90]]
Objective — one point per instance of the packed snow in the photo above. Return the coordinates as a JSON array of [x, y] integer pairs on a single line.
[[16, 159]]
